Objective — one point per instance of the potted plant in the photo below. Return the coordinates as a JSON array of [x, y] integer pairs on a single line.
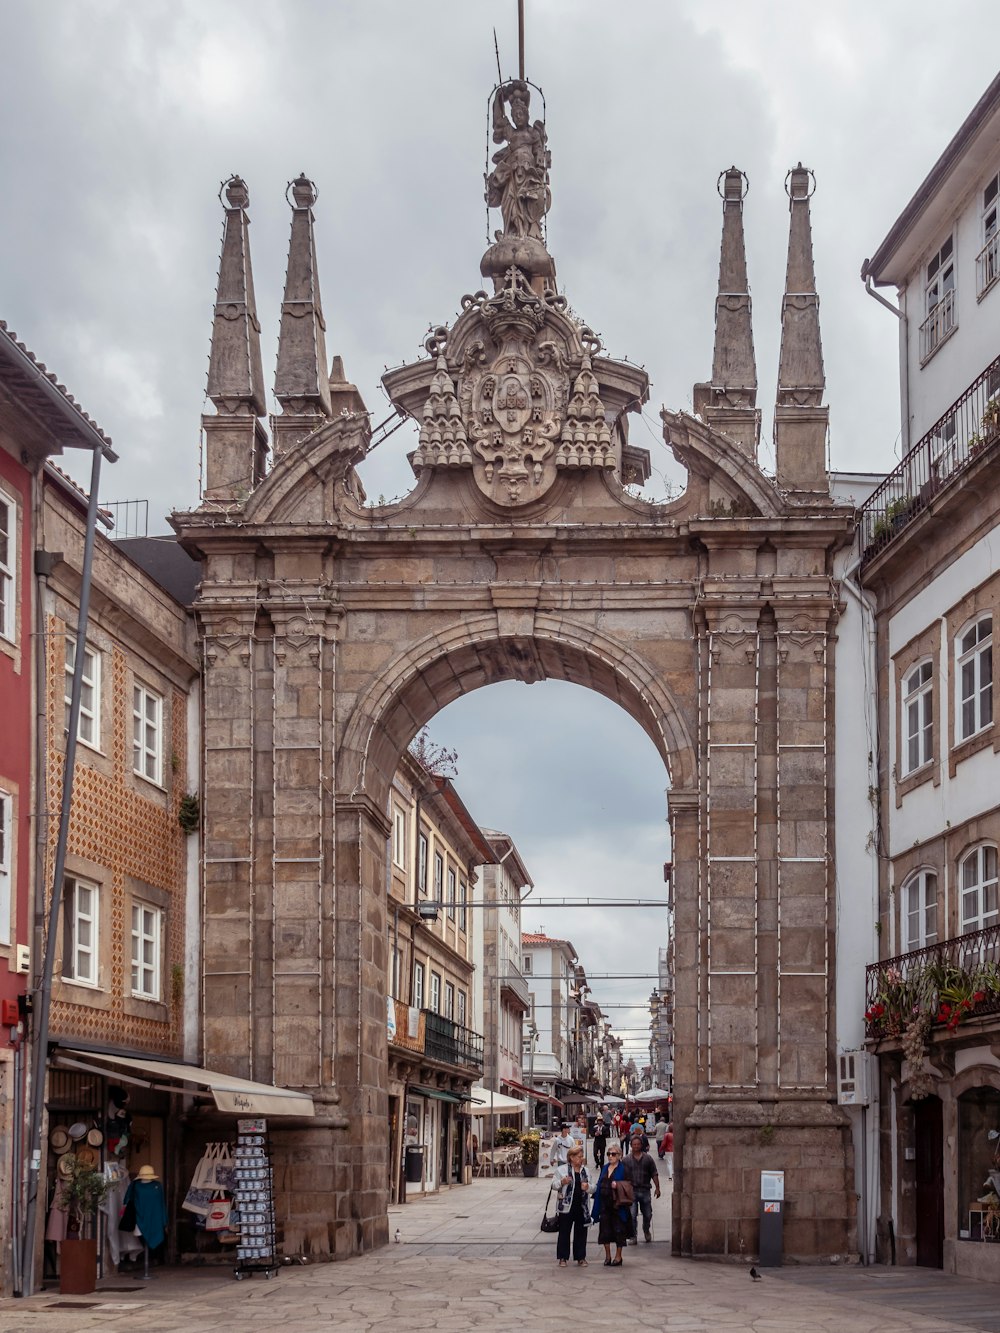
[[530, 1141], [991, 417], [83, 1191]]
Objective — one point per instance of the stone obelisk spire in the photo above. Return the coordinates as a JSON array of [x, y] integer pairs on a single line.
[[800, 417], [301, 382], [729, 402], [235, 439]]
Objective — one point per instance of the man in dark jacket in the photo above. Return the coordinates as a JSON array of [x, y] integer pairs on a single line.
[[645, 1177]]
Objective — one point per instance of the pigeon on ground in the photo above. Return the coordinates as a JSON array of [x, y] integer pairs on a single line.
[[754, 1275]]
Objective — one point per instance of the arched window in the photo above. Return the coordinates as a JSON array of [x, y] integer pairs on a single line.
[[918, 911], [978, 881], [974, 676], [918, 716]]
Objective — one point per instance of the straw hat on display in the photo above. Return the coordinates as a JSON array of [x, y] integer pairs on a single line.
[[78, 1131], [88, 1156], [146, 1173], [94, 1137], [66, 1164], [59, 1140]]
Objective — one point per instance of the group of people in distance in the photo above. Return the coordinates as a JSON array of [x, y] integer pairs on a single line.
[[626, 1183]]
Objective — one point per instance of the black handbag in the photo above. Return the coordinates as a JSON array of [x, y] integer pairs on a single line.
[[549, 1223]]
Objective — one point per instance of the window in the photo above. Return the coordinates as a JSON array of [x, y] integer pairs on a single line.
[[8, 573], [463, 904], [89, 730], [460, 1018], [146, 933], [918, 912], [975, 678], [452, 893], [438, 877], [422, 862], [939, 296], [978, 880], [526, 964], [436, 992], [918, 717], [80, 931], [988, 259], [418, 986], [399, 837], [978, 1116], [147, 733], [6, 864], [449, 1000]]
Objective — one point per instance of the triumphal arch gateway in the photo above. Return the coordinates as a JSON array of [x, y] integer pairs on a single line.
[[333, 630]]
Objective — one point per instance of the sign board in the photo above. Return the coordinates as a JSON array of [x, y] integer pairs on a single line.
[[772, 1185], [772, 1207]]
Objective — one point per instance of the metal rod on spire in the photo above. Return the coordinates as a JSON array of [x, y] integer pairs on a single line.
[[496, 48], [520, 39]]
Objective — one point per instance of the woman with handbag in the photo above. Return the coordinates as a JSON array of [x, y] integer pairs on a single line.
[[573, 1210], [612, 1209]]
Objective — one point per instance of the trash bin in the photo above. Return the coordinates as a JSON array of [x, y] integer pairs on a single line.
[[414, 1164]]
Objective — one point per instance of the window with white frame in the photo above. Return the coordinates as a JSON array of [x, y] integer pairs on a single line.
[[526, 964], [939, 298], [463, 904], [978, 887], [418, 986], [8, 570], [975, 678], [6, 865], [147, 733], [89, 730], [918, 911], [460, 1012], [147, 930], [435, 1003], [399, 837], [422, 862], [81, 934], [988, 259], [452, 892], [438, 877], [449, 1001], [918, 716]]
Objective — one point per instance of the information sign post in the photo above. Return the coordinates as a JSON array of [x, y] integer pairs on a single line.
[[772, 1209]]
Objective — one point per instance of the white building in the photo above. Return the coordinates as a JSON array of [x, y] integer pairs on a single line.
[[550, 971]]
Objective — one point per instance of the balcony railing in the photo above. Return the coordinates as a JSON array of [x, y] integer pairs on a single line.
[[938, 324], [450, 1043], [946, 983], [967, 430], [988, 265], [512, 980]]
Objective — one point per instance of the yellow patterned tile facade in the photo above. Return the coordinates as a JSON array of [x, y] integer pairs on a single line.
[[118, 828]]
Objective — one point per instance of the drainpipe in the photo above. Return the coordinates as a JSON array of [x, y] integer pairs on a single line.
[[904, 329], [42, 997]]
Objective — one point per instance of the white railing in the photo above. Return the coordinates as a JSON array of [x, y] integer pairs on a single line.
[[938, 324], [988, 265]]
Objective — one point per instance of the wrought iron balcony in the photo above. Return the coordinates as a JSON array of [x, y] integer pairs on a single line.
[[450, 1043], [945, 984], [938, 324], [968, 429], [988, 265]]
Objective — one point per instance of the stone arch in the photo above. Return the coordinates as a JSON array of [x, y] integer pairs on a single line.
[[482, 650]]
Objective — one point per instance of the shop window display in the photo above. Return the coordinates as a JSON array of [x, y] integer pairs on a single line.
[[979, 1165]]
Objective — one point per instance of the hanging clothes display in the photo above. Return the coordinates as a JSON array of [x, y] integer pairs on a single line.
[[145, 1196], [121, 1244]]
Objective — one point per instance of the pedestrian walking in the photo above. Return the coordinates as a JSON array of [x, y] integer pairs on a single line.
[[610, 1209], [559, 1152], [638, 1132], [600, 1141], [573, 1210], [668, 1150], [660, 1132], [645, 1177]]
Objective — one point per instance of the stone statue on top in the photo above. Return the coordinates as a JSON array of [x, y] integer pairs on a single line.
[[519, 186]]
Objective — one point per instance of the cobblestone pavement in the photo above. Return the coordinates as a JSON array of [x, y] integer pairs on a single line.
[[474, 1259]]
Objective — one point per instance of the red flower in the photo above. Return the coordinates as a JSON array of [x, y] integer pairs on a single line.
[[979, 996]]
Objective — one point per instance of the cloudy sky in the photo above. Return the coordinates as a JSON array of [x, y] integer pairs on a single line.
[[123, 118]]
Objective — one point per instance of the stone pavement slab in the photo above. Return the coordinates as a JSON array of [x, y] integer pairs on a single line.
[[473, 1259]]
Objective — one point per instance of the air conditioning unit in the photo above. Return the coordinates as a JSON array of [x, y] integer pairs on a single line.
[[856, 1075]]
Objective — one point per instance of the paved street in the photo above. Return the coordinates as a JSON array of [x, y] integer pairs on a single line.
[[474, 1259]]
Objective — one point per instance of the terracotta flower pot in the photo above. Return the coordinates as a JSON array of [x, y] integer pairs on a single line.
[[77, 1267]]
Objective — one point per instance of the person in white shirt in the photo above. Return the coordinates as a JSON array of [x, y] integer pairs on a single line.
[[560, 1149]]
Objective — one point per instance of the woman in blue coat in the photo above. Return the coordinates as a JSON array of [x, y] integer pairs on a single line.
[[613, 1218]]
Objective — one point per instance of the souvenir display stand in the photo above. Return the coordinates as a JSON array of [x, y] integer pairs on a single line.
[[253, 1192]]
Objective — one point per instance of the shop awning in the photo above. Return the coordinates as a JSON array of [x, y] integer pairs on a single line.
[[533, 1092], [439, 1093], [239, 1096]]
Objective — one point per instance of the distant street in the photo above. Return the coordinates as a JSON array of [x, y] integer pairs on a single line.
[[474, 1258]]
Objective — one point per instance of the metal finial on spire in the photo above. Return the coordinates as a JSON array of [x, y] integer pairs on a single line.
[[520, 39]]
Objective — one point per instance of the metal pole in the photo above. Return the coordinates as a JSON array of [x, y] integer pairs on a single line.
[[520, 39], [43, 994]]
